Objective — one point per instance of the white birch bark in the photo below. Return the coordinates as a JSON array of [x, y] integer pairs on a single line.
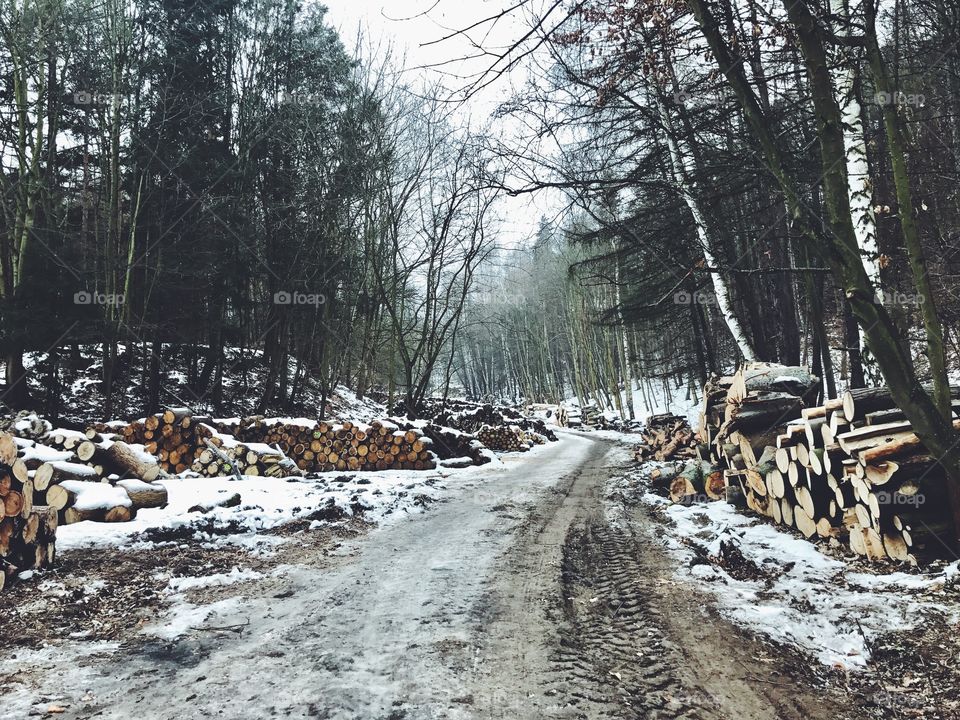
[[624, 340], [859, 186], [682, 165]]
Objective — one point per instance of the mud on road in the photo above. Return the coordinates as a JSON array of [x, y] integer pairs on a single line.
[[527, 593]]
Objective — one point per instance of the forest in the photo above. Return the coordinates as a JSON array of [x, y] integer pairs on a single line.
[[205, 186], [193, 187], [545, 359]]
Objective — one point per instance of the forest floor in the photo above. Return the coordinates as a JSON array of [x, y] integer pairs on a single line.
[[533, 589]]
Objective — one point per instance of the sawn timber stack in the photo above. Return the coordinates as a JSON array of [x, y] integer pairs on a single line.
[[851, 468]]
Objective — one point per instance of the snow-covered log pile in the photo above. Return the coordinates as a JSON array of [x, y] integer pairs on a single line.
[[326, 446], [278, 446], [850, 469], [26, 424], [98, 479], [453, 448], [666, 437], [509, 438], [174, 436], [224, 455]]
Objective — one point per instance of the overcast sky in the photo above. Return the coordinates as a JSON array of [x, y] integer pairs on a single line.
[[414, 24], [411, 26]]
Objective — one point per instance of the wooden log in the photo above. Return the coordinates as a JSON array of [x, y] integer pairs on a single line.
[[124, 460], [868, 436], [768, 411], [903, 444], [881, 472], [143, 494], [689, 484], [896, 547], [804, 522], [227, 501], [859, 402], [26, 491], [8, 449], [13, 503], [756, 377]]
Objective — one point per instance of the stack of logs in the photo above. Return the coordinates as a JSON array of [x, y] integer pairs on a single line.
[[27, 530], [508, 438], [92, 480], [454, 447], [222, 455], [324, 447], [173, 436], [851, 469], [666, 437], [472, 420]]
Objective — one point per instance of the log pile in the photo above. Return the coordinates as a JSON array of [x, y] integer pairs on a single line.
[[105, 482], [26, 424], [27, 541], [472, 420], [27, 530], [223, 454], [450, 444], [666, 437], [326, 446], [697, 481], [508, 438], [850, 469], [173, 436], [277, 447], [83, 476]]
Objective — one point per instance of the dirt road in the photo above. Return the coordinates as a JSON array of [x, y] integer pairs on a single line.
[[524, 595]]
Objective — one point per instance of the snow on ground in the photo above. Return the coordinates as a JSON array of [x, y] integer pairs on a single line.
[[266, 503], [183, 616], [801, 596], [181, 584]]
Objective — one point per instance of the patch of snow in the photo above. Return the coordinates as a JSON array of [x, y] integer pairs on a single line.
[[183, 617], [181, 584], [805, 599], [135, 485], [266, 503], [43, 453], [96, 496]]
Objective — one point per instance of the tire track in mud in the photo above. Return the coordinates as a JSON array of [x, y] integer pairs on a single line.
[[613, 659]]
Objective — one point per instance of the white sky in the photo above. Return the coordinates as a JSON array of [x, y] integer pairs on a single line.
[[409, 25], [412, 24]]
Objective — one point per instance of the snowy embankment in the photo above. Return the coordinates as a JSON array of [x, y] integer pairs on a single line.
[[781, 586], [265, 503]]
